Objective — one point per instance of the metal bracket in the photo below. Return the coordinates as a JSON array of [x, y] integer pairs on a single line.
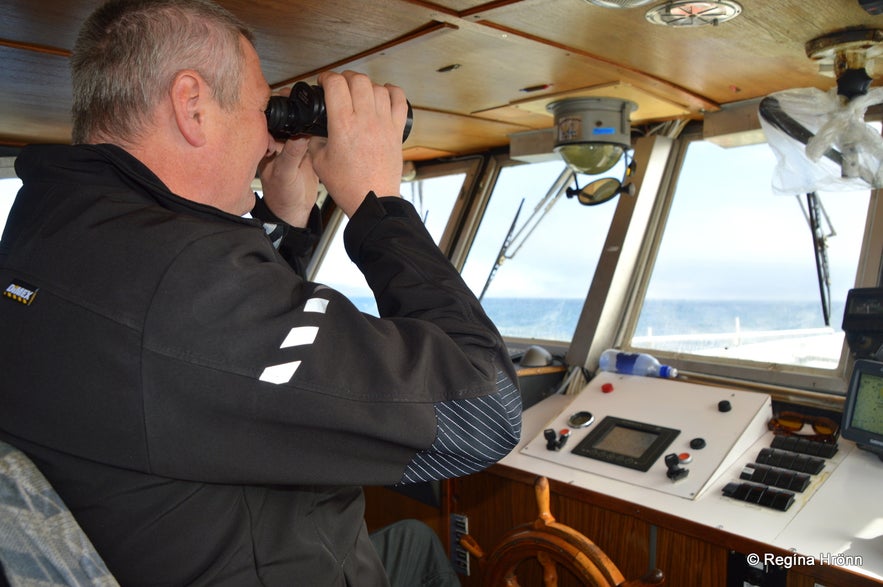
[[459, 555]]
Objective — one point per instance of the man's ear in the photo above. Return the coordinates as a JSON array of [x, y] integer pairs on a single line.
[[189, 95]]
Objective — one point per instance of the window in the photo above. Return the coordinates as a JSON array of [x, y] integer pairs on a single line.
[[433, 198], [538, 290], [9, 187], [735, 275]]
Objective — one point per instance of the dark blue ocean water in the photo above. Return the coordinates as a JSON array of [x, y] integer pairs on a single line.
[[555, 319]]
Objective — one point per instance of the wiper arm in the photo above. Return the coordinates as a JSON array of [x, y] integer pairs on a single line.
[[501, 256], [545, 204], [814, 213]]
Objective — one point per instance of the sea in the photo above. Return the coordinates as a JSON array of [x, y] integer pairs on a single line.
[[556, 318]]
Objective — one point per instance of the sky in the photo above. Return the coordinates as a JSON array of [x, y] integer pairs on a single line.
[[764, 242], [8, 188], [728, 236]]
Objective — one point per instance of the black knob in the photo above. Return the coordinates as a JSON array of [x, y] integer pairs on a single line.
[[697, 443], [724, 406]]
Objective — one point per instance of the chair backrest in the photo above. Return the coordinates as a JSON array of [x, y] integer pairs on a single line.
[[40, 542]]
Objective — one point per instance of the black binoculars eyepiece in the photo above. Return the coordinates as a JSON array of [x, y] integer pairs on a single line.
[[302, 113]]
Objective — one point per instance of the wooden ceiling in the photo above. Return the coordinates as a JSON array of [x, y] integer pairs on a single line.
[[495, 51]]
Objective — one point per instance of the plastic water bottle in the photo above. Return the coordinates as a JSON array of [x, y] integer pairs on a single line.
[[635, 364]]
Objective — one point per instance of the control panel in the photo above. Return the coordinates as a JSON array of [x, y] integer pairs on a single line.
[[654, 433]]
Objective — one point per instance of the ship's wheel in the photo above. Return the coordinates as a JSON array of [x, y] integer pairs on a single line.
[[553, 545]]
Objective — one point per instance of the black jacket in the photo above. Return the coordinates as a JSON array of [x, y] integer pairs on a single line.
[[205, 412]]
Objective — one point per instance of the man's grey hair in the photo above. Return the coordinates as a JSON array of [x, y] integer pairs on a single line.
[[128, 53]]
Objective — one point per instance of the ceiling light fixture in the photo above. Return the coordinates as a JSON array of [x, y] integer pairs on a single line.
[[687, 13]]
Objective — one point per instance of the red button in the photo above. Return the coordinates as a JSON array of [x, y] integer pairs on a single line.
[[685, 458], [607, 387]]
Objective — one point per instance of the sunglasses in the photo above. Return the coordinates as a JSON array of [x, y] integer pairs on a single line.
[[791, 423]]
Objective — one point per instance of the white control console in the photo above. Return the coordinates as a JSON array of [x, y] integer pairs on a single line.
[[636, 422]]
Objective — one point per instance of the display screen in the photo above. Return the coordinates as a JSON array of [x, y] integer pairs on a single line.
[[627, 441], [865, 306], [636, 445], [864, 310], [867, 411], [863, 413]]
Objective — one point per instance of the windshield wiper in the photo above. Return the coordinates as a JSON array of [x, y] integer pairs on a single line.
[[543, 207], [814, 213]]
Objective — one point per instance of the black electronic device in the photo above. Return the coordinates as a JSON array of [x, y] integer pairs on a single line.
[[627, 443], [863, 412], [863, 322], [872, 6]]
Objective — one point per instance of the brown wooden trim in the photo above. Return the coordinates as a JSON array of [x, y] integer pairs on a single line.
[[432, 6], [469, 12], [447, 508], [528, 371], [428, 31], [35, 48]]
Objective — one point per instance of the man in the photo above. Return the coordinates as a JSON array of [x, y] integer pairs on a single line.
[[206, 413]]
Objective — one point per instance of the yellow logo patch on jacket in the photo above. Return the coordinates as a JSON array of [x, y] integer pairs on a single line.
[[20, 292]]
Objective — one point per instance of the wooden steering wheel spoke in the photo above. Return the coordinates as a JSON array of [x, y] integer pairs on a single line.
[[553, 545]]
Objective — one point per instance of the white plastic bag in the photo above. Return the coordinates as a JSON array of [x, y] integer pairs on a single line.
[[832, 123]]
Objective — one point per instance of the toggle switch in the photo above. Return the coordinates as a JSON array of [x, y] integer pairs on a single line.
[[675, 471], [555, 441]]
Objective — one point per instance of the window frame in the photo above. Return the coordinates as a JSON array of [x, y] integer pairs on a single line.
[[495, 167], [7, 167], [785, 382], [470, 166]]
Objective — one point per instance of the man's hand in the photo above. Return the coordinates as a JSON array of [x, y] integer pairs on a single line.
[[290, 184], [363, 151]]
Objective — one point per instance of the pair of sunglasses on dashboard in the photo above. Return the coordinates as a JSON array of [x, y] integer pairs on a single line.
[[791, 424]]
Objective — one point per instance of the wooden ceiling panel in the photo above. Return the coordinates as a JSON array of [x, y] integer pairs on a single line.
[[296, 38], [49, 23], [759, 52], [452, 134], [486, 84], [35, 102], [650, 107], [499, 47], [491, 69]]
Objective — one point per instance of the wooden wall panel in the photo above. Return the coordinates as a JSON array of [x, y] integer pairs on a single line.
[[690, 562], [384, 506]]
